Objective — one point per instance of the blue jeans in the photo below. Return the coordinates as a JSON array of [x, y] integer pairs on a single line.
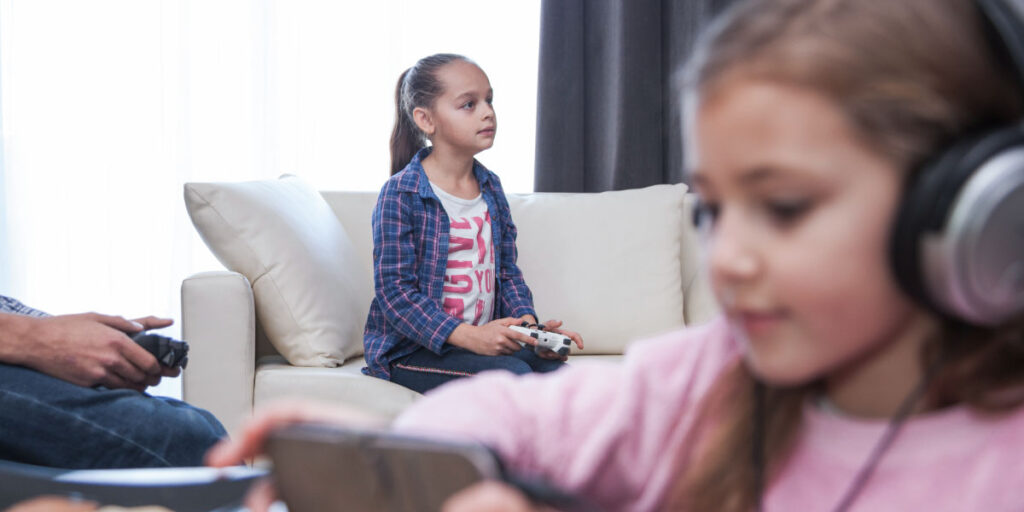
[[50, 422], [424, 370]]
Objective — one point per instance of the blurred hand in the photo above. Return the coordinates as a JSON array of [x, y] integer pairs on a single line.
[[251, 441], [491, 339], [489, 497], [91, 349]]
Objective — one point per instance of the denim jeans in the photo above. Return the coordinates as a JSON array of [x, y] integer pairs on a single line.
[[424, 370], [50, 422]]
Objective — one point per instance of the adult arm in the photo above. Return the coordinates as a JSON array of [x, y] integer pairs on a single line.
[[87, 349]]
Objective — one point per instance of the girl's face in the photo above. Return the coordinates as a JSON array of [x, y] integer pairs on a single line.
[[797, 215], [462, 117]]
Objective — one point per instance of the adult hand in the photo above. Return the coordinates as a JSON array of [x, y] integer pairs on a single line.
[[250, 443], [154, 322], [489, 497], [89, 349], [491, 339]]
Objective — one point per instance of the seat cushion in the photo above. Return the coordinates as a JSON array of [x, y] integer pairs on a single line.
[[283, 237], [277, 380]]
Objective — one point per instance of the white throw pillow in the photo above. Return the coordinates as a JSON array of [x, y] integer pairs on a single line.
[[606, 264], [283, 237]]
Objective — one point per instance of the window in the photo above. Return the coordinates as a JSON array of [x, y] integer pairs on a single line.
[[109, 106]]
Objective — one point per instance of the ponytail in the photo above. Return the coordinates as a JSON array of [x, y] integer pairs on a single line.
[[418, 87], [406, 138]]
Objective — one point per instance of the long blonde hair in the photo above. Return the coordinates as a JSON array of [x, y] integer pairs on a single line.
[[911, 76]]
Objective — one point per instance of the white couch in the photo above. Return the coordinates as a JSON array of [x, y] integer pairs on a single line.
[[615, 266]]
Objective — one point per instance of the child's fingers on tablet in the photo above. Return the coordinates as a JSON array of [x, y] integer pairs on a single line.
[[261, 496], [488, 496], [249, 443]]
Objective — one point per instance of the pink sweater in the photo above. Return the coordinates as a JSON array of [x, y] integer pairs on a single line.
[[610, 432]]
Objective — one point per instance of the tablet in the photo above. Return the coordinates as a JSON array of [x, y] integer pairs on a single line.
[[320, 467]]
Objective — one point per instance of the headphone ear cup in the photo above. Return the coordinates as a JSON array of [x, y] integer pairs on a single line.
[[920, 212], [957, 242]]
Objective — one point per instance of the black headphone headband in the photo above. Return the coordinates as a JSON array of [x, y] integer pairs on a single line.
[[1006, 17]]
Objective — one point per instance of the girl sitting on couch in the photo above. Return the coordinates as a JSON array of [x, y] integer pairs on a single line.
[[444, 244], [827, 383]]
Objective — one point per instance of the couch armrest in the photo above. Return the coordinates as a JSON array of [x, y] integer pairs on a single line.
[[219, 324]]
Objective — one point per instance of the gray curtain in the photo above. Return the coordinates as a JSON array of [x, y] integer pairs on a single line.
[[607, 115]]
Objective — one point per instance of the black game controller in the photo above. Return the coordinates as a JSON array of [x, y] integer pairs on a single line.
[[168, 351]]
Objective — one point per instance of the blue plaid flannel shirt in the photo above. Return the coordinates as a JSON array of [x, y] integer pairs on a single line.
[[9, 305], [410, 252]]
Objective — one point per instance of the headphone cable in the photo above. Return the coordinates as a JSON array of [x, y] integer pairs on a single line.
[[893, 428]]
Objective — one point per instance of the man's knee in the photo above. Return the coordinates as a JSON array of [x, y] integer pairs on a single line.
[[181, 434]]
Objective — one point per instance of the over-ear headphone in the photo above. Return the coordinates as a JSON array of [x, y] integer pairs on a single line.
[[958, 241]]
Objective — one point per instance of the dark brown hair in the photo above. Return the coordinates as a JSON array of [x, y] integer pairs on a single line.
[[911, 77], [417, 86]]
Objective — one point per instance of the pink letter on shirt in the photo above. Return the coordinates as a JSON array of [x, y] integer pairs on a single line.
[[458, 243], [467, 284], [453, 306]]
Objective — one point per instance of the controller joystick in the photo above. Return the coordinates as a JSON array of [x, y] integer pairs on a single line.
[[168, 352]]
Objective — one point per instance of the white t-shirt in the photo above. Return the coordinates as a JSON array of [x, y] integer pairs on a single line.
[[469, 277]]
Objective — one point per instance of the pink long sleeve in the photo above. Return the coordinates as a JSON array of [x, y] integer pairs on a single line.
[[610, 432]]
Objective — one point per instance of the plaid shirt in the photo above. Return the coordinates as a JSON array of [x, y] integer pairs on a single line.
[[410, 252], [9, 305]]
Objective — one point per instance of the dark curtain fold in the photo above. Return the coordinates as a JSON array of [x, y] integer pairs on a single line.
[[607, 115]]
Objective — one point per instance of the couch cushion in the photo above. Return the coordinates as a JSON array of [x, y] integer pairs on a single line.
[[606, 264], [283, 237], [276, 381]]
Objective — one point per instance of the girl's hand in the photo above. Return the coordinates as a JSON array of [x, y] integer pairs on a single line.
[[489, 497], [491, 339], [529, 319], [250, 443], [553, 326]]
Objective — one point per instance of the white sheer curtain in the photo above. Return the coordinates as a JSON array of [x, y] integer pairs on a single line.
[[109, 106]]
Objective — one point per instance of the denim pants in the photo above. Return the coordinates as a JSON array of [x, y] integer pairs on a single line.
[[50, 422], [424, 370]]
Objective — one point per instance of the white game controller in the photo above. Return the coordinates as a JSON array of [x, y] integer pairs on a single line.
[[557, 343]]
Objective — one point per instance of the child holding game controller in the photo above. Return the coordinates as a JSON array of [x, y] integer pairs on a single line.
[[859, 363], [447, 285]]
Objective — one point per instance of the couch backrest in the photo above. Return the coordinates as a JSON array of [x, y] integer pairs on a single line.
[[615, 266]]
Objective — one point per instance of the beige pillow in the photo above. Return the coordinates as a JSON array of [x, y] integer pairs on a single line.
[[606, 264], [283, 237]]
